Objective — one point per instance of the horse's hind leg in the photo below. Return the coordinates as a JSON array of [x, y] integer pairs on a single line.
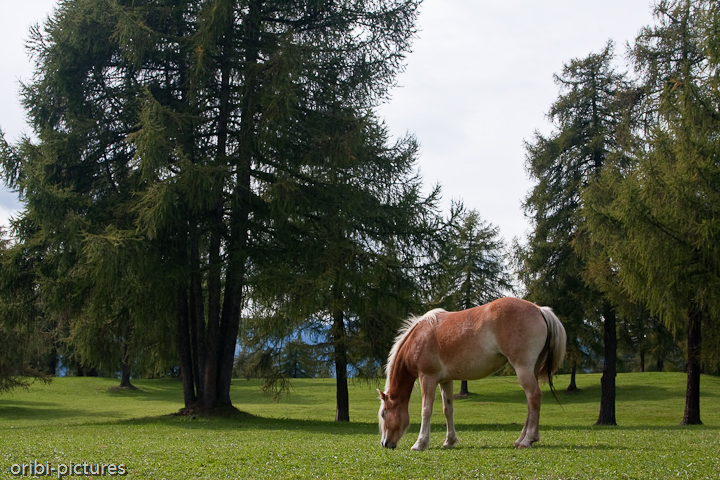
[[428, 385], [530, 432], [446, 390]]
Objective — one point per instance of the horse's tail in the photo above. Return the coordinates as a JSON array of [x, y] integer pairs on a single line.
[[555, 346]]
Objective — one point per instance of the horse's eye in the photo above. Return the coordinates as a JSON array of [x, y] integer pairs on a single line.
[[383, 414]]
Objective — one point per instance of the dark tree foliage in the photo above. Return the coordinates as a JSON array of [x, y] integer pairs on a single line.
[[587, 118], [350, 234], [26, 335], [165, 130], [656, 216], [473, 266], [473, 269], [646, 342]]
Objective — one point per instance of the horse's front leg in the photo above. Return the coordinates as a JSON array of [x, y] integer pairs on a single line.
[[446, 390], [427, 387]]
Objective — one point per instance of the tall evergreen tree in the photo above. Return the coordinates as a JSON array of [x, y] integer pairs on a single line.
[[161, 124], [351, 231], [473, 267], [657, 217], [586, 118], [473, 264], [25, 332]]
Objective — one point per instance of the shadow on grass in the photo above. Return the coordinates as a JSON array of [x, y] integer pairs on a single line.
[[171, 391], [543, 446], [242, 421], [509, 427], [49, 412], [9, 403], [168, 390], [589, 394]]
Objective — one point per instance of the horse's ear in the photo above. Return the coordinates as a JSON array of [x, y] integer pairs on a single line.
[[383, 397]]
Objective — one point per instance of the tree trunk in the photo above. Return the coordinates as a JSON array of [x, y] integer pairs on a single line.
[[125, 364], [186, 363], [240, 213], [230, 321], [607, 382], [125, 367], [573, 386], [215, 343], [642, 360], [52, 362], [694, 341], [463, 389], [660, 364], [197, 315], [342, 412]]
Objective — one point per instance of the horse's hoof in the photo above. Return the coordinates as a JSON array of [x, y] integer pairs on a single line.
[[450, 443], [418, 447]]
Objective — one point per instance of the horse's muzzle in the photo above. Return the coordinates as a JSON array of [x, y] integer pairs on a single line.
[[387, 444]]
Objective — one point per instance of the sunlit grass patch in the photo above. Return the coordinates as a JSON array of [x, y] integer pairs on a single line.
[[83, 420]]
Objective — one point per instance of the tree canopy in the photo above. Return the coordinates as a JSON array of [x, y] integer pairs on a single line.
[[165, 131]]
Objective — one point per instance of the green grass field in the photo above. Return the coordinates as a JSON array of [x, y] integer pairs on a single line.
[[83, 420]]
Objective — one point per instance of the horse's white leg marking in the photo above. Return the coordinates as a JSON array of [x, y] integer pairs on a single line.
[[428, 385], [446, 391], [528, 381]]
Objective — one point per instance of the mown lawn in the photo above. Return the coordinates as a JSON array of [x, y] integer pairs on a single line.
[[84, 420]]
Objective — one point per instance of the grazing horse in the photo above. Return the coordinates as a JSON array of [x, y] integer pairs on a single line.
[[441, 346]]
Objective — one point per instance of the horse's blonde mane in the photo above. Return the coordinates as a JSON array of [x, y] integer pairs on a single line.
[[403, 333]]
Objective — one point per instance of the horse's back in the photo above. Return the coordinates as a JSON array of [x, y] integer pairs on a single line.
[[477, 342]]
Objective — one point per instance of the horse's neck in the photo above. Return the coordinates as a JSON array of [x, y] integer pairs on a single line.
[[401, 382]]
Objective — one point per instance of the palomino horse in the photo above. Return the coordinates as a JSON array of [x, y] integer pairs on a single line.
[[441, 346]]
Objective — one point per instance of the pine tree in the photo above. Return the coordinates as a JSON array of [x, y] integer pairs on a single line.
[[656, 217], [25, 333], [587, 118], [473, 264], [161, 125], [473, 269], [350, 233]]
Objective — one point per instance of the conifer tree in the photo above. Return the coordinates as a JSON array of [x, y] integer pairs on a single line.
[[350, 232], [474, 264], [161, 125], [656, 217], [25, 333], [473, 268], [586, 118]]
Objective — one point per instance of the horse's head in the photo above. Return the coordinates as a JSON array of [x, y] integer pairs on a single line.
[[394, 420]]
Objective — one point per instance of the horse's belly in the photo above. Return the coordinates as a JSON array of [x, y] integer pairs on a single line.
[[474, 367]]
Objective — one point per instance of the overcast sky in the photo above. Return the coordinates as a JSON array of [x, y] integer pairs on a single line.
[[477, 84]]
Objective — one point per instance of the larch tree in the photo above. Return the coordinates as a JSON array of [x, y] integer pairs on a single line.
[[586, 120], [472, 264], [657, 217], [25, 332], [75, 185], [350, 235], [161, 124]]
